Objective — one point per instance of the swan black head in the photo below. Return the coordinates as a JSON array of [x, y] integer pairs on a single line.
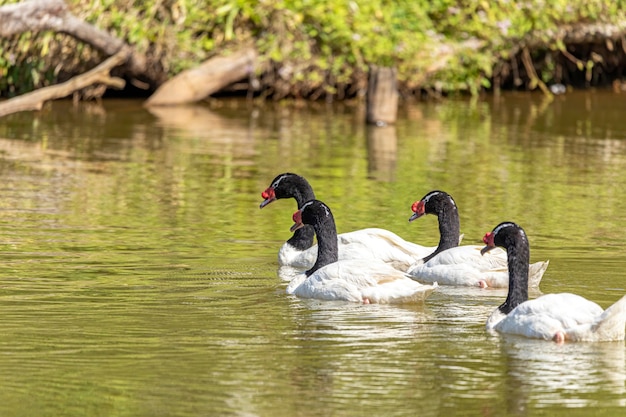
[[435, 202], [505, 235], [441, 204], [312, 213], [288, 185]]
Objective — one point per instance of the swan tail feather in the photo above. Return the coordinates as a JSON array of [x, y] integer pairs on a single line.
[[609, 326], [535, 273]]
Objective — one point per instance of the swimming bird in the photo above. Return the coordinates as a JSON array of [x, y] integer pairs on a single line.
[[559, 317], [299, 251], [451, 264], [366, 280]]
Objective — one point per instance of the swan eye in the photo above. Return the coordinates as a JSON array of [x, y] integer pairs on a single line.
[[269, 193], [418, 207], [488, 239]]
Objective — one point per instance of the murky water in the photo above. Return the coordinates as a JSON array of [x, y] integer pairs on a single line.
[[138, 276]]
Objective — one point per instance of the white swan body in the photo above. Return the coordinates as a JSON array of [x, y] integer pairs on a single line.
[[359, 280], [366, 280], [371, 243], [572, 316], [465, 266], [559, 317]]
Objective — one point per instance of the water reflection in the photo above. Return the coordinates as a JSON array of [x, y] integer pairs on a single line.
[[382, 150], [570, 375], [352, 324], [363, 353]]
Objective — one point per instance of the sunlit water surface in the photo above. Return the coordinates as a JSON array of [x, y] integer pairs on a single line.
[[138, 276]]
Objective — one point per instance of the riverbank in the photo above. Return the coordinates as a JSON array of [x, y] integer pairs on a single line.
[[318, 50]]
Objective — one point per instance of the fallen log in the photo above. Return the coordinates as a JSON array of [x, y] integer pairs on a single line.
[[211, 76], [98, 75]]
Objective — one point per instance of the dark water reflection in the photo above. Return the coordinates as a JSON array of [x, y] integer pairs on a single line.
[[138, 276]]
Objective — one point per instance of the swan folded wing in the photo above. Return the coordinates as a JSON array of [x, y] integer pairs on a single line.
[[380, 252], [394, 287], [471, 255], [608, 326], [358, 280], [392, 245], [463, 265], [320, 287], [459, 274], [535, 273], [288, 273], [288, 255], [398, 292], [337, 281]]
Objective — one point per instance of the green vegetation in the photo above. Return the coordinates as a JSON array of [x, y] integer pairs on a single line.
[[319, 48]]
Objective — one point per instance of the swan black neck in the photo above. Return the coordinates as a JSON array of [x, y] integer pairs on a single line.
[[318, 215], [447, 213], [302, 238], [289, 185], [518, 253]]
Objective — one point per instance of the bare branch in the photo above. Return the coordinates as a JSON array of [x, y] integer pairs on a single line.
[[54, 15], [97, 75]]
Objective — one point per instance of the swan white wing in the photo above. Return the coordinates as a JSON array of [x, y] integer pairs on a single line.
[[376, 250], [369, 243], [459, 274], [535, 273], [464, 265], [610, 325], [542, 317], [302, 259], [470, 254], [359, 280], [392, 286], [383, 244], [323, 287], [288, 273]]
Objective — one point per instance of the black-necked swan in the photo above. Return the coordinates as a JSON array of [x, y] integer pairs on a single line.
[[366, 280], [299, 251], [294, 251], [559, 317], [451, 264]]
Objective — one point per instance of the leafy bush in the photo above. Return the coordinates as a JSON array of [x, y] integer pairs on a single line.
[[313, 47]]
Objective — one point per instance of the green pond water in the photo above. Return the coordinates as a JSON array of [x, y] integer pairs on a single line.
[[138, 276]]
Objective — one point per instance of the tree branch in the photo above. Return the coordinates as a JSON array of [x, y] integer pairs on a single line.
[[54, 15], [97, 75]]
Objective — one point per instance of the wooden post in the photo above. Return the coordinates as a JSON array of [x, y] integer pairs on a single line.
[[382, 96]]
